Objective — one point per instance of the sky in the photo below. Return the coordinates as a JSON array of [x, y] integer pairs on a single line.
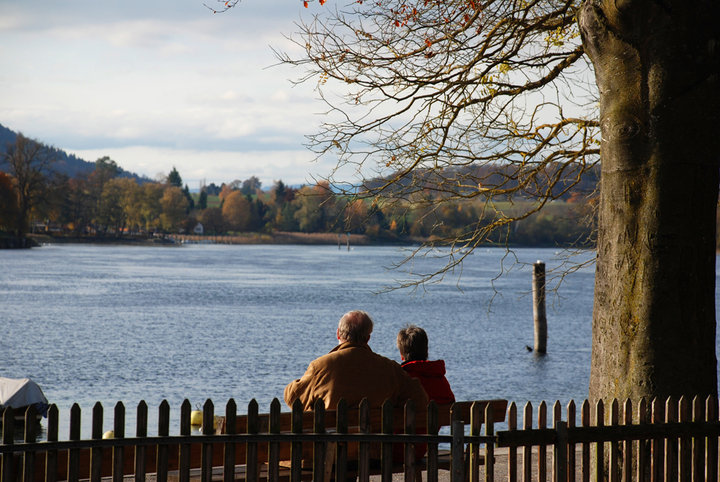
[[160, 84]]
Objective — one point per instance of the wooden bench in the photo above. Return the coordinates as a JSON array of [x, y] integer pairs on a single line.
[[282, 447], [446, 414]]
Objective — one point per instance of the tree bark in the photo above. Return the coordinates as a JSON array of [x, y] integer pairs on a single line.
[[657, 69]]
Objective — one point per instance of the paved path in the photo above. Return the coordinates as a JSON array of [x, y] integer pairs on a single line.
[[501, 469]]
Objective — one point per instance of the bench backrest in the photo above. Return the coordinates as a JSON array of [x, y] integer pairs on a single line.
[[446, 413]]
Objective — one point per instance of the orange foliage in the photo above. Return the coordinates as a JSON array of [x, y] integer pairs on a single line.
[[226, 190], [575, 197]]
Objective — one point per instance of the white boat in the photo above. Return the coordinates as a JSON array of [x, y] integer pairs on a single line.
[[20, 393]]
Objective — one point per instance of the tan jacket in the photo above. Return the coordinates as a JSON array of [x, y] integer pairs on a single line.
[[353, 371]]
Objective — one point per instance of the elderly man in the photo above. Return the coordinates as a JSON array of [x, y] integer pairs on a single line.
[[352, 371]]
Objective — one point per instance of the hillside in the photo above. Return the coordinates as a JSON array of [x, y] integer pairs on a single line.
[[66, 164]]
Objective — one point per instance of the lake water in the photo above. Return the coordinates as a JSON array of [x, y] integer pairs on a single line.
[[107, 323]]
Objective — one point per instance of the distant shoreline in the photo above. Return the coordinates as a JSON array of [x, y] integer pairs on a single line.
[[244, 238], [278, 237], [275, 238], [16, 242]]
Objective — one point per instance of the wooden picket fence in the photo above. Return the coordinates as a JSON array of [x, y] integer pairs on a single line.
[[665, 440], [661, 440]]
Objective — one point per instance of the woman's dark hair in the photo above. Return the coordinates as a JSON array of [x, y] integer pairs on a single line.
[[412, 341]]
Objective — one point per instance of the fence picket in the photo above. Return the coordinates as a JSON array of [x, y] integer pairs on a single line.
[[643, 472], [614, 463], [600, 445], [341, 449], [29, 437], [364, 450], [671, 443], [184, 449], [571, 461], [51, 458], [74, 453], [711, 410], [386, 448], [410, 447], [473, 452], [296, 447], [685, 455], [512, 451], [698, 446], [273, 447], [319, 447], [229, 447], [97, 434], [560, 459], [627, 455], [253, 427], [557, 418], [8, 435], [141, 432], [473, 447], [542, 449], [162, 449], [119, 450], [527, 449], [457, 464], [489, 447], [457, 472], [585, 422], [658, 444]]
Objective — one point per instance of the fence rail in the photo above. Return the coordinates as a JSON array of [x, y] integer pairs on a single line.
[[661, 440]]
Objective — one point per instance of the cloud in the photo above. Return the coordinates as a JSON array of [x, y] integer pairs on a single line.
[[229, 96], [218, 166], [160, 84]]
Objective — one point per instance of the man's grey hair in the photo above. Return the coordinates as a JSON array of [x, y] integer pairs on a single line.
[[355, 326]]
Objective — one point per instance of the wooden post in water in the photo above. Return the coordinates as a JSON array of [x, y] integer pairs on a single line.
[[539, 318]]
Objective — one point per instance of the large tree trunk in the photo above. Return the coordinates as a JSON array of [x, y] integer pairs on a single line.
[[656, 65]]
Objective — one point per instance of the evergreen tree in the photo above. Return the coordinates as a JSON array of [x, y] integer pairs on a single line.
[[174, 179], [190, 200], [202, 200]]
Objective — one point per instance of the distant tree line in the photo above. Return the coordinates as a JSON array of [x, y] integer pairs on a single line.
[[106, 203]]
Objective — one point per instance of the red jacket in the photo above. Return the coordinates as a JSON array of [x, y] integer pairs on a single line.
[[432, 377]]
